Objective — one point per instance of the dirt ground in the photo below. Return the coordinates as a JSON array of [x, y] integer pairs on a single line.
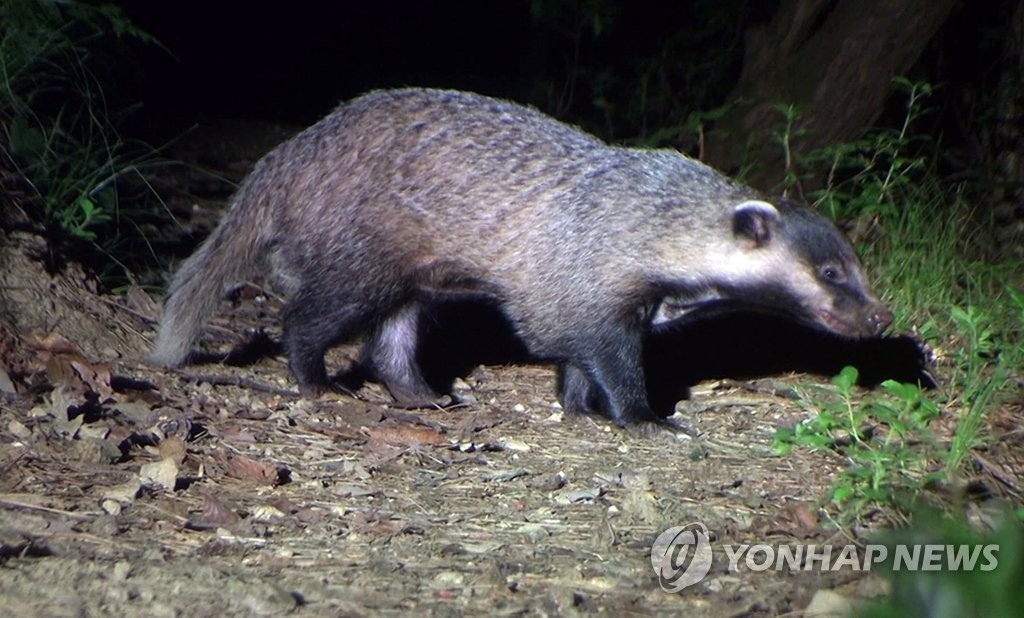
[[212, 490]]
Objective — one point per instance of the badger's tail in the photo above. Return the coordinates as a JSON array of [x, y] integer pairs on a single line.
[[227, 258]]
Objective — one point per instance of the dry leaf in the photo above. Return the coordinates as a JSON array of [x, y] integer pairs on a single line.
[[54, 343], [6, 385], [366, 522], [406, 435], [829, 603], [58, 403], [65, 365], [141, 303], [282, 504], [95, 375], [806, 518], [246, 468], [215, 513]]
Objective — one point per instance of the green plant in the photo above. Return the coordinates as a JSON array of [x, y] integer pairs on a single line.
[[885, 438], [875, 174], [60, 138], [988, 587], [784, 135], [982, 377], [914, 230]]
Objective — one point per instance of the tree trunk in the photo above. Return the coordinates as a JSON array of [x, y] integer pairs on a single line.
[[1008, 145], [834, 60]]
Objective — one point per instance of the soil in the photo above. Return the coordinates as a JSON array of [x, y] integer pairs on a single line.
[[214, 490]]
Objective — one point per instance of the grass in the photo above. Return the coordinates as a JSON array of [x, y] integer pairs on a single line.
[[59, 138], [917, 231], [885, 438]]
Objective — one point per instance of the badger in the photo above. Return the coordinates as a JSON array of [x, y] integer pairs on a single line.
[[400, 197]]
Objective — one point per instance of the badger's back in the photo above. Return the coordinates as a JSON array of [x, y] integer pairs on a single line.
[[413, 175], [398, 185]]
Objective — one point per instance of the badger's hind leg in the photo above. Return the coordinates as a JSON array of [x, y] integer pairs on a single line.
[[314, 320], [391, 357]]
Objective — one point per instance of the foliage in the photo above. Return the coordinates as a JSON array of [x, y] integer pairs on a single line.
[[874, 174], [60, 139], [950, 592], [912, 228], [784, 136], [646, 81], [886, 440]]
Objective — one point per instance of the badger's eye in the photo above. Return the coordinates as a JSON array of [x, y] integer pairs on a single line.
[[833, 273]]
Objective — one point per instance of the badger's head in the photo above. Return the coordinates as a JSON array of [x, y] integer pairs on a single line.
[[787, 260], [830, 283]]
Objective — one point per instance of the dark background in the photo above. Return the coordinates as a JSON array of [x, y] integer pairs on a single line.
[[292, 62]]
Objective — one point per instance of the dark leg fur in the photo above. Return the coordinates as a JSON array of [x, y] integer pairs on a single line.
[[607, 373], [313, 322], [575, 392]]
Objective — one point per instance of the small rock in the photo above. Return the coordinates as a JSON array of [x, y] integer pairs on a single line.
[[6, 385], [449, 579], [511, 444], [534, 532], [59, 401], [266, 513], [94, 451], [124, 493], [549, 482], [162, 474], [19, 430], [716, 585], [137, 413], [828, 603], [578, 496], [122, 569]]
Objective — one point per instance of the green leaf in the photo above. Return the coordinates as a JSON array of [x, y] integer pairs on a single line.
[[846, 379]]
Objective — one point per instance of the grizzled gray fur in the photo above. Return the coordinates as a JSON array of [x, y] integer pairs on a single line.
[[403, 196]]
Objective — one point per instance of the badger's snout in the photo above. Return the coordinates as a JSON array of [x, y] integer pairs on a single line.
[[879, 319]]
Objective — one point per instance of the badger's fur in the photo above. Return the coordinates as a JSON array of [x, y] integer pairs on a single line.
[[400, 196]]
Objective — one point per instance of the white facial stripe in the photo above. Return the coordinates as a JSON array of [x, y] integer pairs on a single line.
[[744, 265]]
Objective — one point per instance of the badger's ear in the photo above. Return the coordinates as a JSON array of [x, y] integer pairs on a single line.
[[755, 220]]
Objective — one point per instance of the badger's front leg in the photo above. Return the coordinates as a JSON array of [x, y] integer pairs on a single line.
[[604, 373]]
